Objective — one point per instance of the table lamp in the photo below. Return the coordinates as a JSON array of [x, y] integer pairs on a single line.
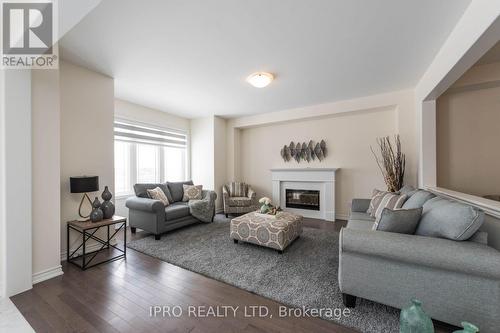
[[84, 184]]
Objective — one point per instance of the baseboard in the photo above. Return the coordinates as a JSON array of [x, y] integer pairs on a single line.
[[47, 274], [88, 248], [341, 217]]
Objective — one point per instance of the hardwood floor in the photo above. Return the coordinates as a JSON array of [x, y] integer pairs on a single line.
[[118, 296]]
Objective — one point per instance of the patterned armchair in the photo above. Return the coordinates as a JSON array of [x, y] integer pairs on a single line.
[[238, 198]]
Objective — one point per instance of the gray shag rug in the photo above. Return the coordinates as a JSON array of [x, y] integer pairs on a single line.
[[304, 275]]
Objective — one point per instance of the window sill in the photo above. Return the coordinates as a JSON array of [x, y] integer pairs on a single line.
[[490, 207], [123, 196]]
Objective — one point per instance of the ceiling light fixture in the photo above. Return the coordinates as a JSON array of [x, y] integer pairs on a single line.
[[260, 79]]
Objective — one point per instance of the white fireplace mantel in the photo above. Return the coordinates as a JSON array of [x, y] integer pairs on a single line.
[[322, 179]]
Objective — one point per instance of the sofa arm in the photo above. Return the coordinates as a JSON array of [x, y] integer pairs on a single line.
[[204, 209], [208, 195], [251, 193], [456, 256], [145, 205], [360, 205]]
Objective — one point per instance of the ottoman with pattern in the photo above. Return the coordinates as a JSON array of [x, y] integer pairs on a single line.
[[276, 233]]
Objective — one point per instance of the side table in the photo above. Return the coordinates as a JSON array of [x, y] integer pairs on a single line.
[[87, 230]]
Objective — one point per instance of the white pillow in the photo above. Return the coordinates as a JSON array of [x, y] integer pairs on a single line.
[[158, 194]]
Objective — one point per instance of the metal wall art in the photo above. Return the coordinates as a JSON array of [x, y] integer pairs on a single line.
[[304, 151]]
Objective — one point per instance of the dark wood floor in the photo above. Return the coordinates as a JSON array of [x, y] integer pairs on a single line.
[[117, 297]]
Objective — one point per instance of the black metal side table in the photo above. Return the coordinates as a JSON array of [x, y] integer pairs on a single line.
[[87, 230]]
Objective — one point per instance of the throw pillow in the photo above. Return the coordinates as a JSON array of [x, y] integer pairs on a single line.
[[381, 200], [192, 192], [449, 219], [377, 196], [418, 199], [158, 194], [176, 189], [402, 221], [237, 189], [408, 190]]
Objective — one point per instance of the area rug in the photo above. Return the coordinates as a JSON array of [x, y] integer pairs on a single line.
[[304, 275]]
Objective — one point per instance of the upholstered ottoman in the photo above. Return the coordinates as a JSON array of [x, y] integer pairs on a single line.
[[276, 233]]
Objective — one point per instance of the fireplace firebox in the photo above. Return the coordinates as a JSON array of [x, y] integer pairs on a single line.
[[302, 199]]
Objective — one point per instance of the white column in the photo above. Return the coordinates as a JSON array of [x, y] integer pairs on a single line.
[[427, 161], [16, 182], [2, 183]]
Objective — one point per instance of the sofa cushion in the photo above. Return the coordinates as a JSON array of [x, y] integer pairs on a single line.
[[408, 190], [449, 219], [480, 237], [360, 224], [176, 211], [141, 190], [402, 221], [177, 190], [418, 199], [361, 216], [239, 201]]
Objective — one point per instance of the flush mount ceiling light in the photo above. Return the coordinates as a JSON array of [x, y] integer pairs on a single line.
[[260, 79]]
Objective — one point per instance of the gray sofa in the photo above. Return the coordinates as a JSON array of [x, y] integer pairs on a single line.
[[455, 280], [152, 216]]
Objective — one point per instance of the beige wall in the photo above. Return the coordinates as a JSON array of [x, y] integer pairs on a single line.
[[208, 154], [220, 175], [348, 138], [135, 112], [87, 148], [253, 143], [468, 133], [46, 172], [202, 152]]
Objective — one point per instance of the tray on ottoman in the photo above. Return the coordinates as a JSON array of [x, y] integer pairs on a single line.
[[276, 233]]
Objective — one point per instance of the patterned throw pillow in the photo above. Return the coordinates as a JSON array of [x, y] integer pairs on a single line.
[[237, 189], [192, 192], [381, 200], [158, 194]]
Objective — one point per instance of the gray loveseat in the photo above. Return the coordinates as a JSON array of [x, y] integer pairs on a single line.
[[455, 280], [152, 216]]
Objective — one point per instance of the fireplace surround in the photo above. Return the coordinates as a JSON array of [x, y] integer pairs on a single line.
[[306, 181]]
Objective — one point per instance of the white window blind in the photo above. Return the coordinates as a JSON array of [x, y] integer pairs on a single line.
[[148, 135], [145, 154]]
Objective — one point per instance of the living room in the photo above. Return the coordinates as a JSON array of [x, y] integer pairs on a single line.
[[223, 166]]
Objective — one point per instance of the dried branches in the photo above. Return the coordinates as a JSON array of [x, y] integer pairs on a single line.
[[391, 162]]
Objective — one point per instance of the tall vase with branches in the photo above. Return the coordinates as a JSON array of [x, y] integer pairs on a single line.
[[391, 162]]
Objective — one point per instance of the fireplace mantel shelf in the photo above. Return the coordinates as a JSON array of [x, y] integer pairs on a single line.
[[305, 169]]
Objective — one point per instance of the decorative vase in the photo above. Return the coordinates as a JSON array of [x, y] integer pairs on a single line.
[[107, 207], [414, 320], [468, 328], [96, 215], [264, 209]]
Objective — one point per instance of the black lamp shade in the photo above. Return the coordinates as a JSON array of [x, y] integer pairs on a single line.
[[84, 184]]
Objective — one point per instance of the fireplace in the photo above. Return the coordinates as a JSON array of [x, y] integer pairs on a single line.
[[302, 199]]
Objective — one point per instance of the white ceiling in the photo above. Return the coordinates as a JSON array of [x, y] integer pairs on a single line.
[[191, 58]]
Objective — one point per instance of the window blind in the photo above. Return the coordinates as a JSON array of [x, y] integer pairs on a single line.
[[137, 133]]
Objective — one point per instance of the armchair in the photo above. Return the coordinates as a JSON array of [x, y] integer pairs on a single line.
[[238, 198]]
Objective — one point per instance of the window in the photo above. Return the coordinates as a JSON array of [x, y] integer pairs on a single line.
[[146, 154]]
